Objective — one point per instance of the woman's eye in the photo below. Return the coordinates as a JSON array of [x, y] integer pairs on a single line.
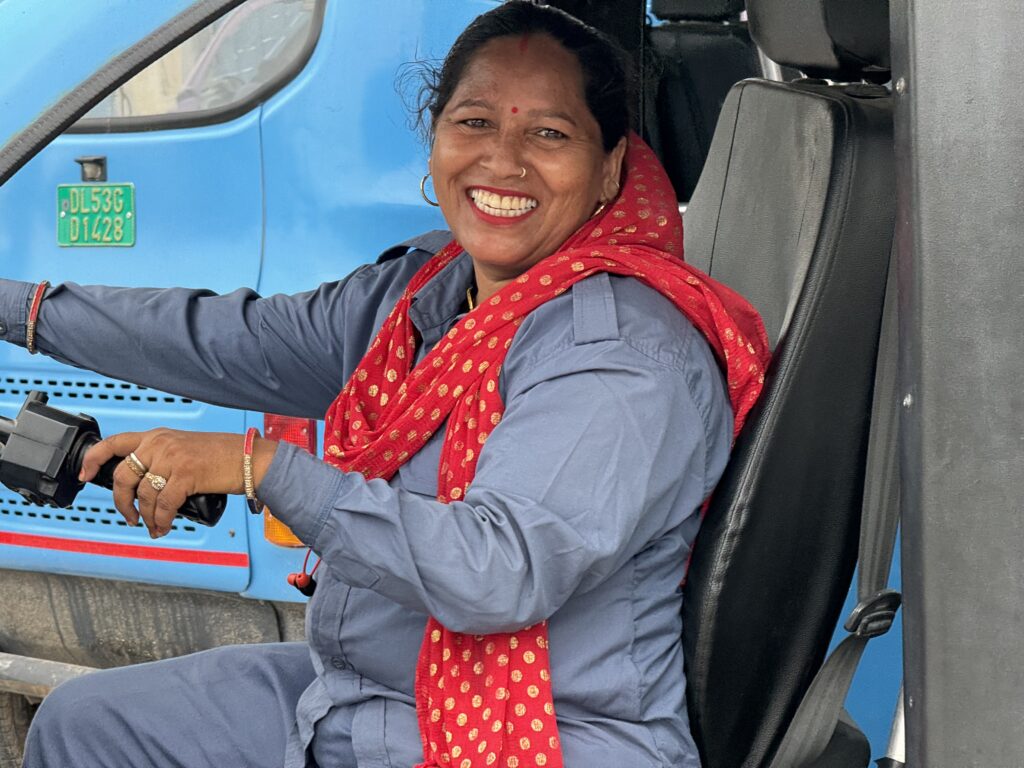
[[551, 133], [474, 122]]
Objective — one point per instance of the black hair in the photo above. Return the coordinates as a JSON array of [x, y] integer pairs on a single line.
[[607, 69]]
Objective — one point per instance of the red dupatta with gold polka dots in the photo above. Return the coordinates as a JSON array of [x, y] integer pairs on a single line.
[[485, 700]]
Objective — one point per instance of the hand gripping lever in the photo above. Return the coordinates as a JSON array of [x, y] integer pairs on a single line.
[[41, 455]]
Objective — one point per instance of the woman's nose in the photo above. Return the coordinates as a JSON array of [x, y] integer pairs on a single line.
[[504, 158]]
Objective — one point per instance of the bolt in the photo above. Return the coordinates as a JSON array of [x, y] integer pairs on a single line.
[[901, 86]]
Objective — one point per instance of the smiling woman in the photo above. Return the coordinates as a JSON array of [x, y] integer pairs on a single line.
[[518, 159], [529, 116], [523, 420]]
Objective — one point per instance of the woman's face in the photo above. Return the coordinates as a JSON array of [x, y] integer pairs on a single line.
[[519, 104]]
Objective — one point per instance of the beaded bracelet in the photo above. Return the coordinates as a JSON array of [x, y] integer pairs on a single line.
[[247, 478], [33, 316]]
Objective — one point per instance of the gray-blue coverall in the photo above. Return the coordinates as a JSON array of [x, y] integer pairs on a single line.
[[583, 510]]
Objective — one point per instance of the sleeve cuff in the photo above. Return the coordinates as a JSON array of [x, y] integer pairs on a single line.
[[14, 298], [299, 489]]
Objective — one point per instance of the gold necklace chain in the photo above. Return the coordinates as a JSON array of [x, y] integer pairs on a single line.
[[469, 298]]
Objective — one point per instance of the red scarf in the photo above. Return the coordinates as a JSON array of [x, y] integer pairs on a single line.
[[485, 700]]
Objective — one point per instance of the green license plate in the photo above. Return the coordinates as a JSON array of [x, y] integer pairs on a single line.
[[95, 214]]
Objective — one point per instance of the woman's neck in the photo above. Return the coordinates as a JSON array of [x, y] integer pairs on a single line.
[[488, 285]]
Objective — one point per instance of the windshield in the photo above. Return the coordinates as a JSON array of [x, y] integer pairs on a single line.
[[221, 66]]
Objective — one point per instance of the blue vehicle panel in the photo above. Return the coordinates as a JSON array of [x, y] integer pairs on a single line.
[[198, 206]]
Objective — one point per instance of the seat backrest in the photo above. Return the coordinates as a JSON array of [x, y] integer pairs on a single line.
[[695, 56], [795, 210]]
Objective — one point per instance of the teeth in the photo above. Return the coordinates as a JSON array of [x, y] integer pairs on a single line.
[[507, 206]]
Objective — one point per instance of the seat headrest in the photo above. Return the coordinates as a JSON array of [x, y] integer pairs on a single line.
[[696, 10], [841, 40]]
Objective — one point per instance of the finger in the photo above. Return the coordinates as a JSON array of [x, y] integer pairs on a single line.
[[168, 502], [147, 496], [125, 483], [105, 450]]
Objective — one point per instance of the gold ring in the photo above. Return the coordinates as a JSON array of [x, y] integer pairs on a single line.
[[135, 465], [158, 483]]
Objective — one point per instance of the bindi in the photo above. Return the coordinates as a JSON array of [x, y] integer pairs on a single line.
[[515, 110]]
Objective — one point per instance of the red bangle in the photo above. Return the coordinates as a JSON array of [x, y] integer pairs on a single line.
[[33, 316], [247, 477]]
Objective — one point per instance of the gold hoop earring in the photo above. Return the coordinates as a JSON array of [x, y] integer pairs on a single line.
[[523, 174], [423, 191], [600, 208]]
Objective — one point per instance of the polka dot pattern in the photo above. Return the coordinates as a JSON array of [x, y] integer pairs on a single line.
[[486, 700]]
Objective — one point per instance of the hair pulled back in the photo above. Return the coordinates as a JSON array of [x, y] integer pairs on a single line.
[[607, 69]]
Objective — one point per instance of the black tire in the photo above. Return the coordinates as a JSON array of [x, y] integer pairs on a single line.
[[15, 715]]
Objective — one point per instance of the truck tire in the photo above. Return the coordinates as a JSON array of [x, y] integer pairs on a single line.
[[15, 715]]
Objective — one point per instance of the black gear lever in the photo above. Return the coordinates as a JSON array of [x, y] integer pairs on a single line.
[[41, 455]]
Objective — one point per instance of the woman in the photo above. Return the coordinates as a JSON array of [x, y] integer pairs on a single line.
[[526, 431]]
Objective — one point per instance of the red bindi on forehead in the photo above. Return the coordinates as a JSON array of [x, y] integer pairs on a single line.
[[515, 110]]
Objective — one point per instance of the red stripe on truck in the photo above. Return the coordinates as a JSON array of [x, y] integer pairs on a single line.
[[108, 549]]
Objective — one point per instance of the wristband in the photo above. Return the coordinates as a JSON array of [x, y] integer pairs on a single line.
[[33, 317]]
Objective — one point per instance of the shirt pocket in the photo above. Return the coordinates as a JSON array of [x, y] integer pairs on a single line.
[[419, 474]]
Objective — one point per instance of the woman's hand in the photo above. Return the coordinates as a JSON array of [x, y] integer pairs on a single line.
[[190, 462]]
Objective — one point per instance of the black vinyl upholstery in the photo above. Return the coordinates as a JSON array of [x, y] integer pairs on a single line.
[[696, 64], [795, 210], [703, 48], [696, 10]]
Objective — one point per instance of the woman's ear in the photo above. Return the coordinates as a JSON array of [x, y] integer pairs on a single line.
[[613, 170]]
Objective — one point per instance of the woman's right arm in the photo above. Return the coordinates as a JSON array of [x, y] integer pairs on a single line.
[[280, 354]]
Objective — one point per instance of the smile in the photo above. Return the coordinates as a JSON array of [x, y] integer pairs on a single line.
[[502, 206]]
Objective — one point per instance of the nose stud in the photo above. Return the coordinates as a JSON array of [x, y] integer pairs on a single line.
[[523, 174]]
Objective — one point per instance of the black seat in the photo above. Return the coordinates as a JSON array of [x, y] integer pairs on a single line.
[[795, 210], [697, 54]]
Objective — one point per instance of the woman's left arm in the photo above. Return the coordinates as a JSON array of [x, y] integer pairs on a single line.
[[601, 450]]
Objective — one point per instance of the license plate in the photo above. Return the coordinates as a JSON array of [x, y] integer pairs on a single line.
[[95, 215]]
